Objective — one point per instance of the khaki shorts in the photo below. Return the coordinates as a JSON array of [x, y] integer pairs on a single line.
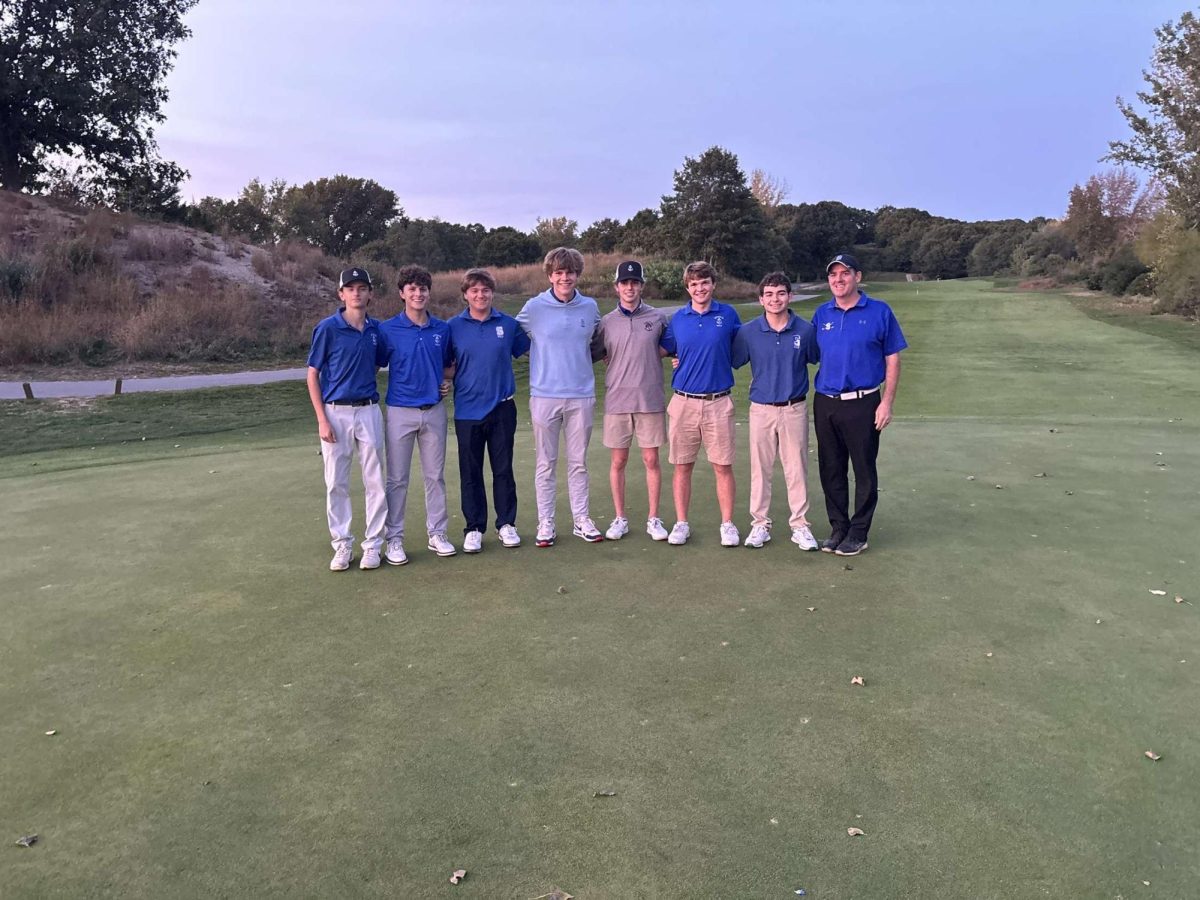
[[620, 428], [701, 423]]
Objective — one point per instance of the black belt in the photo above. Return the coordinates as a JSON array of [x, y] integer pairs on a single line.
[[717, 396], [366, 402], [791, 402], [423, 406]]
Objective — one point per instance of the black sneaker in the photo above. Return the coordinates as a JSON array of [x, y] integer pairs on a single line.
[[850, 547], [830, 544]]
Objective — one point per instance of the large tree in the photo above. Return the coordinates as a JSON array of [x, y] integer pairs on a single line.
[[341, 213], [713, 216], [83, 79]]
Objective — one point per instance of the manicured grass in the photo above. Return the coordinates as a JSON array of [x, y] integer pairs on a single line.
[[234, 720]]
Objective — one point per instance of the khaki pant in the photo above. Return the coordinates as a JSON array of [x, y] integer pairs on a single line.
[[779, 431], [572, 418], [353, 427]]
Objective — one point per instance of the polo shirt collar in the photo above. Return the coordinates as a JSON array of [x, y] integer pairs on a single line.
[[466, 314], [340, 315], [631, 312], [862, 301], [764, 325], [691, 310], [404, 321]]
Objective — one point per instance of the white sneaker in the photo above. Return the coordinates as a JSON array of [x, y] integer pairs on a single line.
[[656, 529], [439, 545], [370, 558], [509, 536], [803, 538], [394, 553], [473, 542], [680, 533], [342, 556], [759, 535], [585, 528], [545, 533], [729, 535], [618, 529]]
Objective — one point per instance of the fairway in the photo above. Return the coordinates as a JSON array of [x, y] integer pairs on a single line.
[[233, 720]]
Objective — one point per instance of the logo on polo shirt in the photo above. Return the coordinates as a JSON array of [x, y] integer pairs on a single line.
[[582, 322], [719, 320], [499, 331], [437, 340], [796, 342], [649, 326], [828, 326]]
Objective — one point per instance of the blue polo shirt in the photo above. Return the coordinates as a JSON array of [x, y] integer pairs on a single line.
[[483, 355], [778, 360], [704, 345], [346, 358], [416, 356], [853, 344]]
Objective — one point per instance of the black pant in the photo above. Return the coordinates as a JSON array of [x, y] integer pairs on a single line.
[[846, 434], [495, 432]]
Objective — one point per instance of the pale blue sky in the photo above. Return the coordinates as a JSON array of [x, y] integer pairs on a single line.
[[503, 112]]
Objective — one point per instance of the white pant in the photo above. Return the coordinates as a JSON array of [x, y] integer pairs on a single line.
[[426, 429], [361, 427], [573, 419]]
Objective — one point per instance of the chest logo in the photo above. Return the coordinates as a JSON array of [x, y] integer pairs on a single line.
[[719, 321], [828, 326], [499, 331], [437, 340], [796, 342]]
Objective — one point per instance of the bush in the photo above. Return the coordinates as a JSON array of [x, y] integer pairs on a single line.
[[1142, 286], [16, 275], [1116, 274], [665, 276]]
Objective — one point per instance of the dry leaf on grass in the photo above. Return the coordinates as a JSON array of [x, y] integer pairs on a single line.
[[605, 793], [1150, 754], [459, 875], [812, 609], [855, 832], [562, 589], [52, 732], [27, 841], [857, 679], [1159, 593], [1039, 475], [988, 654]]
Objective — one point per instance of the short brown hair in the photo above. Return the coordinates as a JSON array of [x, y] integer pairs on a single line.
[[418, 275], [775, 279], [563, 258], [698, 271], [473, 277]]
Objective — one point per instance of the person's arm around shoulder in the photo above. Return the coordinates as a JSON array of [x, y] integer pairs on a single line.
[[521, 342], [324, 429], [740, 352], [598, 348]]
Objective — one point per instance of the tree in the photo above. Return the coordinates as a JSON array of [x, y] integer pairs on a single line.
[[340, 214], [993, 253], [899, 231], [1166, 141], [944, 249], [1109, 210], [641, 234], [713, 216], [84, 80], [768, 190], [505, 246], [556, 232], [602, 236], [816, 232]]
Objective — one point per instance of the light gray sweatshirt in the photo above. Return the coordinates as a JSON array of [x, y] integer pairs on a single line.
[[560, 334]]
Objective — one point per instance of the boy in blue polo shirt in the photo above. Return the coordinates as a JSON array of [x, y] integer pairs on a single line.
[[419, 360], [860, 343], [485, 342], [779, 346], [701, 336], [346, 351]]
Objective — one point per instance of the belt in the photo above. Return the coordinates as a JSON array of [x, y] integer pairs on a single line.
[[852, 395], [366, 402], [717, 396], [791, 402], [425, 406]]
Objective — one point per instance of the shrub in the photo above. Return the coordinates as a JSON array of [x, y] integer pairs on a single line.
[[262, 263], [158, 246], [665, 276], [16, 275], [1142, 286], [1115, 275]]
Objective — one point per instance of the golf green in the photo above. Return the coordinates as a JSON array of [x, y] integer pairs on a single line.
[[231, 719]]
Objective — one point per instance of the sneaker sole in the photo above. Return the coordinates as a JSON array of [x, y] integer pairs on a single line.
[[368, 568], [854, 553], [545, 542], [465, 550], [591, 540], [442, 552], [510, 546], [653, 538], [403, 562], [339, 568]]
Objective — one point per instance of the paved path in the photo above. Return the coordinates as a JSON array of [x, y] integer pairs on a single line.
[[12, 390]]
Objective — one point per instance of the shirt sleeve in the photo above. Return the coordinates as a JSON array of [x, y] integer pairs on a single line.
[[520, 345], [318, 354], [737, 320], [667, 341], [740, 350], [893, 337]]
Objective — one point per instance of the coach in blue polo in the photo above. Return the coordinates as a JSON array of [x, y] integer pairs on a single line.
[[860, 342]]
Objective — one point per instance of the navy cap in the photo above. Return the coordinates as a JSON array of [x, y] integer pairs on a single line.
[[350, 276], [846, 260], [630, 270]]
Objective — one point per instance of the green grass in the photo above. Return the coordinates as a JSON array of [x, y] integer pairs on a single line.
[[234, 720]]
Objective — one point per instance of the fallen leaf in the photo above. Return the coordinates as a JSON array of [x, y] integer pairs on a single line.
[[562, 589], [1069, 493], [855, 832], [1039, 475], [605, 793], [459, 875], [988, 654], [1159, 593], [970, 478], [1150, 754], [774, 821], [999, 487], [27, 841], [724, 643], [811, 608], [1097, 621], [52, 732], [1146, 883], [857, 679], [1179, 599]]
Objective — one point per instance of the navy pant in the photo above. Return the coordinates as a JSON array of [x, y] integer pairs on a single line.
[[846, 435], [493, 433]]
